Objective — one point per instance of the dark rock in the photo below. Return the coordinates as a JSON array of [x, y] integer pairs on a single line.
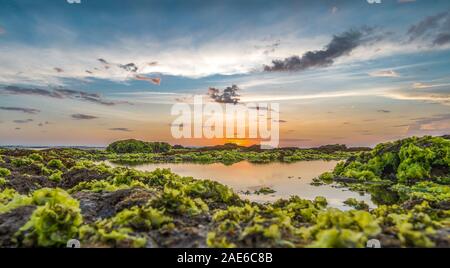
[[73, 177], [11, 222], [95, 206], [25, 184]]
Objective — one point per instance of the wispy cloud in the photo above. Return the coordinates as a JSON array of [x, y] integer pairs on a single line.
[[59, 93], [435, 27], [20, 109], [23, 121], [420, 85], [434, 125], [120, 129], [83, 117], [384, 73]]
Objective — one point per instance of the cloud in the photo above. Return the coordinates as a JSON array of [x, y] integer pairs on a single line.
[[422, 93], [120, 129], [280, 121], [384, 73], [339, 46], [442, 39], [23, 121], [228, 95], [2, 30], [435, 27], [334, 10], [59, 93], [83, 117], [383, 111], [15, 90], [155, 81], [20, 109], [420, 85], [58, 70], [130, 67], [103, 61], [41, 124], [269, 48], [434, 125], [258, 108]]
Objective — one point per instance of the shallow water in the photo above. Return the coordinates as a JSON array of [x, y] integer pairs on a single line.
[[286, 179]]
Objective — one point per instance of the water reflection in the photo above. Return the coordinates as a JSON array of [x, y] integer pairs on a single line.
[[286, 179]]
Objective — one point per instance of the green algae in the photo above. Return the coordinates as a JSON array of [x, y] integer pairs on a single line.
[[360, 205], [55, 221], [55, 164], [410, 177], [121, 230], [4, 172], [264, 191]]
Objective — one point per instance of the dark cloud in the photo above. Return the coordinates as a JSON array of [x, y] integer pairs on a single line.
[[426, 25], [23, 121], [83, 117], [14, 90], [102, 61], [435, 28], [20, 109], [228, 95], [58, 70], [130, 67], [120, 129], [383, 111], [340, 45], [280, 121], [60, 93], [260, 108], [442, 39]]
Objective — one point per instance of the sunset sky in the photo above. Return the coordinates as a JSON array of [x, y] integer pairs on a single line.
[[344, 72]]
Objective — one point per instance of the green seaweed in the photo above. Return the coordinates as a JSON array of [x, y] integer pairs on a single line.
[[54, 222]]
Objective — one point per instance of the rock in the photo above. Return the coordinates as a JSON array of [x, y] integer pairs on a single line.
[[73, 177], [11, 222], [95, 206]]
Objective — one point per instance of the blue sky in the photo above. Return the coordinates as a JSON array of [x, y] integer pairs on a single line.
[[377, 72]]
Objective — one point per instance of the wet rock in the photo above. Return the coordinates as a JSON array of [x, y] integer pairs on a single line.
[[11, 222], [189, 233], [73, 177], [442, 238], [25, 184], [95, 206]]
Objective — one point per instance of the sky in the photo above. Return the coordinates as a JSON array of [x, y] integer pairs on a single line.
[[346, 72]]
